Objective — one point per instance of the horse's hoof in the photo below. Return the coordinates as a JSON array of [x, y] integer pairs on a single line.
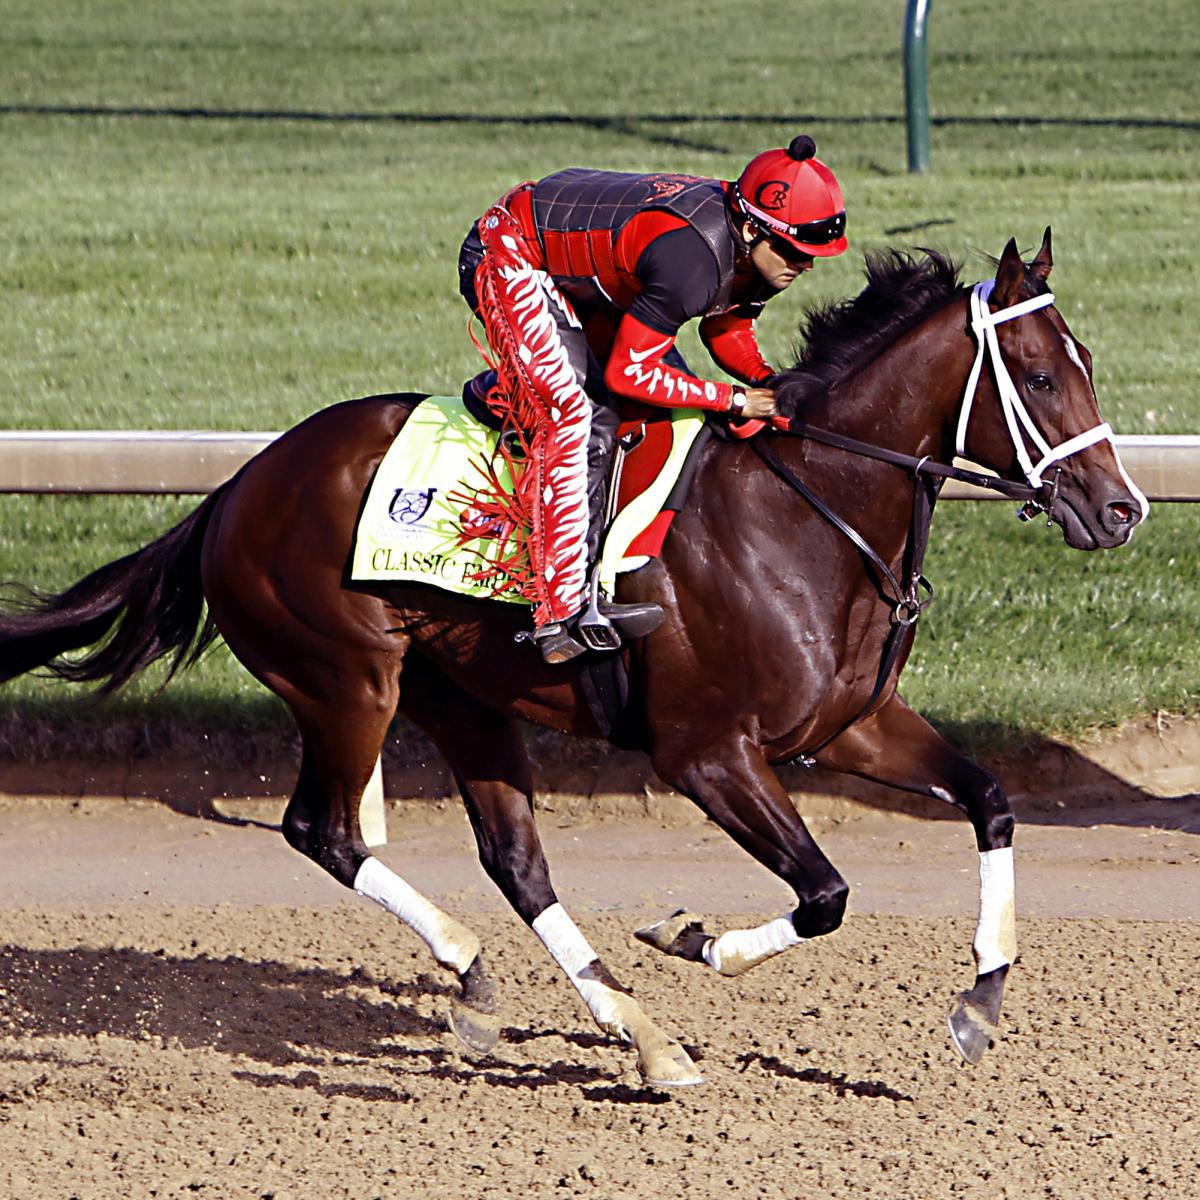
[[477, 1031], [970, 1029], [976, 1014], [680, 935], [669, 1066]]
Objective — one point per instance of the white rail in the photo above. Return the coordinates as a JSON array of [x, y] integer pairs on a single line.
[[136, 461], [195, 462]]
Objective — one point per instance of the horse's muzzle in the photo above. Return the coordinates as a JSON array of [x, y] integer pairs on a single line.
[[1086, 526]]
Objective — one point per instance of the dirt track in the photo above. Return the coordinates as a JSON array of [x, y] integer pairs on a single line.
[[188, 1008]]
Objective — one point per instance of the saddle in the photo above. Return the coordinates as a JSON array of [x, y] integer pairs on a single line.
[[411, 528]]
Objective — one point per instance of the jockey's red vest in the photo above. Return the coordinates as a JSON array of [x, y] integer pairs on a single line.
[[592, 226], [589, 229]]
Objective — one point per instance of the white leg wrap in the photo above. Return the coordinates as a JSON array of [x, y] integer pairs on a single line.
[[569, 948], [996, 935], [738, 950], [452, 944], [660, 1059]]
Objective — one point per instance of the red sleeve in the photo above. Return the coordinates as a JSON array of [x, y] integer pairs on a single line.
[[730, 338], [636, 369]]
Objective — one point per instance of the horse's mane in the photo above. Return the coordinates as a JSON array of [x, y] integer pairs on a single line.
[[842, 337]]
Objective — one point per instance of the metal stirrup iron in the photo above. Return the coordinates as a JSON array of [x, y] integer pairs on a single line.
[[593, 627]]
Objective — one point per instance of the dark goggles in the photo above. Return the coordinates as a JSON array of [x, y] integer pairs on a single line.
[[819, 233]]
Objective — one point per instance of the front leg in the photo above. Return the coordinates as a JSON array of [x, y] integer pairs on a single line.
[[735, 786], [896, 746]]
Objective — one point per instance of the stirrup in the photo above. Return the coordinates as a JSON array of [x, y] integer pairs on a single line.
[[602, 624], [593, 626]]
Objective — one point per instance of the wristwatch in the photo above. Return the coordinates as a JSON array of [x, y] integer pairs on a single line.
[[737, 402]]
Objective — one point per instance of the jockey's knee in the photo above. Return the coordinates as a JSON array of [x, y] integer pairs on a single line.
[[469, 258], [822, 910]]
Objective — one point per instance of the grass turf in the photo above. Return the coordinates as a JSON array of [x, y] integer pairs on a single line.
[[229, 215]]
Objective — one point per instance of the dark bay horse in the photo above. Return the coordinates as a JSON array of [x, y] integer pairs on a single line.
[[778, 639]]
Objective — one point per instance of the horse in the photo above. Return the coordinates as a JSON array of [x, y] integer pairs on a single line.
[[783, 638]]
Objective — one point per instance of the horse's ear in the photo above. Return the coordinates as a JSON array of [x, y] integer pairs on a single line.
[[1041, 266], [1010, 274]]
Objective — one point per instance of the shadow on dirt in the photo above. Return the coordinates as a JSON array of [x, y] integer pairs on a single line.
[[1049, 782], [868, 1088], [300, 1021], [268, 1011], [303, 1026]]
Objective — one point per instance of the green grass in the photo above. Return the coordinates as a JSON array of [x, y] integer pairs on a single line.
[[238, 270]]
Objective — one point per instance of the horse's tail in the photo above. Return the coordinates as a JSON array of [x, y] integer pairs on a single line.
[[153, 597]]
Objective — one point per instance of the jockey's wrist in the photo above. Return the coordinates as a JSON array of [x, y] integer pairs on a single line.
[[737, 401]]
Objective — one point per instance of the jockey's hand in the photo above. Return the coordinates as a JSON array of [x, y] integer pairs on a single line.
[[760, 404]]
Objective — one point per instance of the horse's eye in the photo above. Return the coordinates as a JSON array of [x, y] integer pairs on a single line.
[[1039, 381]]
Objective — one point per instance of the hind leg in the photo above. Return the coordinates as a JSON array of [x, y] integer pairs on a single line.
[[343, 699], [340, 750], [274, 575], [487, 755]]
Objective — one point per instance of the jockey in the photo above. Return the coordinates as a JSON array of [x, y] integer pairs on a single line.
[[582, 281]]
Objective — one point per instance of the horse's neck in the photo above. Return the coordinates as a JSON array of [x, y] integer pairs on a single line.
[[907, 398]]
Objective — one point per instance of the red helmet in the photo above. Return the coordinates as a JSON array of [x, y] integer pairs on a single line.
[[795, 195]]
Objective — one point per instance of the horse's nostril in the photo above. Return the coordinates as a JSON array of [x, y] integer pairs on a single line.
[[1121, 512]]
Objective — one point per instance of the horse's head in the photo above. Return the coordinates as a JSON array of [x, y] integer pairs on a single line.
[[1033, 415]]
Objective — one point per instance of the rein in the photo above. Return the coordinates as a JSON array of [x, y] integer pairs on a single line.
[[1036, 495]]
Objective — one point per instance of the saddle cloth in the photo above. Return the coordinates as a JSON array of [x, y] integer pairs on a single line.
[[409, 529]]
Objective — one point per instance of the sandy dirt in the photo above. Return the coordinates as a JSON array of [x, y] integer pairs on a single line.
[[188, 1008]]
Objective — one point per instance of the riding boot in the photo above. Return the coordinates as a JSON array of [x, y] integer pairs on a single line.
[[601, 440], [603, 621]]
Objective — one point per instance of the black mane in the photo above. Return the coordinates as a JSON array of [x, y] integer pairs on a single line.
[[843, 337]]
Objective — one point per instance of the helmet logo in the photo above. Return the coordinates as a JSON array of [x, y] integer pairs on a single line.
[[772, 195]]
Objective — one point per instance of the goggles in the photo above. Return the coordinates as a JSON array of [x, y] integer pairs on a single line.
[[816, 233], [811, 233]]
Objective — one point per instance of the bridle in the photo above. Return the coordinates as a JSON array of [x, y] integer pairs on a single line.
[[1016, 415], [1037, 495]]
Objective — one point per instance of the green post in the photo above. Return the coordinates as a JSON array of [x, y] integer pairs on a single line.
[[916, 85]]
